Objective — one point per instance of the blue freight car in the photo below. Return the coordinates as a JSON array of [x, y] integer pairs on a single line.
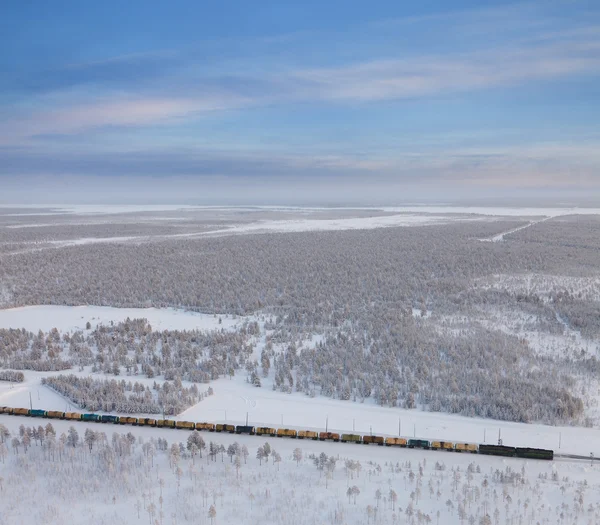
[[105, 418], [37, 413]]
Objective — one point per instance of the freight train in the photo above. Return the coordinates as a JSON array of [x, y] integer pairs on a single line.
[[490, 450]]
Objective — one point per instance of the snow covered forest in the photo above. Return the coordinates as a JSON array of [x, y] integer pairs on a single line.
[[188, 478], [424, 317]]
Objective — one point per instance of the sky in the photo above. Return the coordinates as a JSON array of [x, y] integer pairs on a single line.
[[310, 102]]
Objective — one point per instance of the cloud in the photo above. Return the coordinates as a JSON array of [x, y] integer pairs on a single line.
[[425, 76], [175, 88]]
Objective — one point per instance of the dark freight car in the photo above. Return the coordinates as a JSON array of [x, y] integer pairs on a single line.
[[534, 453], [244, 429], [497, 450]]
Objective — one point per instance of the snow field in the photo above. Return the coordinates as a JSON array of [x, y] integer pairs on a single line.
[[71, 318], [104, 488]]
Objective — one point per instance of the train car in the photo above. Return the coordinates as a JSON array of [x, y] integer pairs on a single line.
[[107, 418], [395, 442], [245, 429], [73, 415], [185, 425], [205, 426], [419, 443], [90, 417], [497, 450], [55, 414], [442, 445], [351, 438], [466, 447], [378, 440], [166, 423], [20, 412], [37, 413], [333, 436], [286, 432], [147, 421], [125, 420], [266, 431], [534, 453], [307, 434], [6, 410], [225, 428]]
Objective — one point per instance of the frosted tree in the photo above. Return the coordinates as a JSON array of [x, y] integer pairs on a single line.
[[233, 450], [73, 437], [212, 514], [297, 456], [26, 441], [393, 497], [89, 438], [245, 453], [276, 458], [260, 454], [4, 433]]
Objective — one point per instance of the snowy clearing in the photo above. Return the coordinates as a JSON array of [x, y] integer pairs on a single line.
[[69, 318]]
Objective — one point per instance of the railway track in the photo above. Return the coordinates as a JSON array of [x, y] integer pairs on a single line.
[[484, 449]]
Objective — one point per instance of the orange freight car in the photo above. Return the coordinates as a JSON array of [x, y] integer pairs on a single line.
[[333, 436]]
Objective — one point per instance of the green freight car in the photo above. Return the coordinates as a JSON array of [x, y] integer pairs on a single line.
[[90, 417], [497, 450], [534, 453], [351, 438], [107, 418], [418, 443], [37, 413]]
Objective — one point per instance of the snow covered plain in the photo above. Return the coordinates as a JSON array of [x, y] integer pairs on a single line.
[[119, 484], [70, 318], [235, 399], [107, 485]]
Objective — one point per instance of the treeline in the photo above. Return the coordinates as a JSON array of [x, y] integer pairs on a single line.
[[110, 395], [12, 375]]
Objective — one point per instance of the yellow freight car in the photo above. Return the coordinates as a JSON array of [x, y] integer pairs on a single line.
[[6, 410], [286, 432], [466, 447], [55, 414], [442, 445], [225, 428], [307, 434], [128, 420], [265, 431], [205, 426], [72, 415], [147, 421], [167, 423], [20, 411], [395, 442], [185, 424]]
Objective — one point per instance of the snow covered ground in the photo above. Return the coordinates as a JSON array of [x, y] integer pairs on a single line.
[[120, 484], [70, 318]]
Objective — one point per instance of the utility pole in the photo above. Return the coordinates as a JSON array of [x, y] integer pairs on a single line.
[[399, 427], [353, 421], [246, 418], [30, 403], [484, 434], [326, 423], [414, 430]]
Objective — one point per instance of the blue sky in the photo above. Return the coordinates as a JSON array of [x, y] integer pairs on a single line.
[[304, 102]]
